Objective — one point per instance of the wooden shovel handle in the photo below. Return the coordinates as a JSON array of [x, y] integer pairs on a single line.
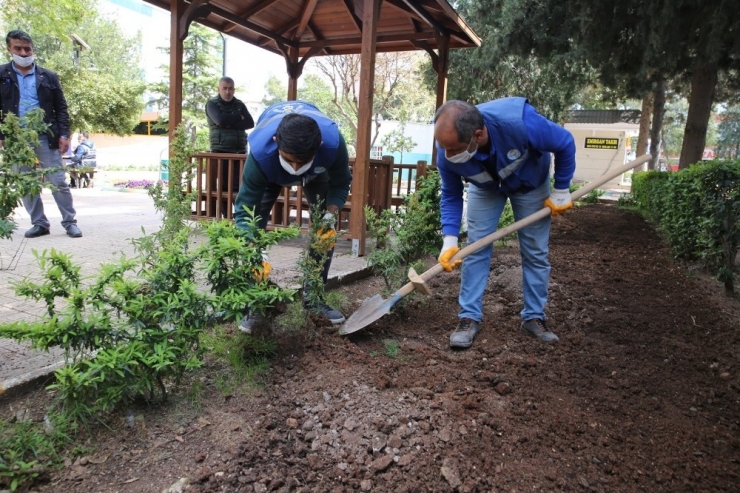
[[542, 213]]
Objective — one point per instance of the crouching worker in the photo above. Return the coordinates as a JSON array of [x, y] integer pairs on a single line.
[[294, 143], [84, 158]]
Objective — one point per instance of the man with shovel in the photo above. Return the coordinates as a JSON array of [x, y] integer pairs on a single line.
[[502, 149], [295, 144]]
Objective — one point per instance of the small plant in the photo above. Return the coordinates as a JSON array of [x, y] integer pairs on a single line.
[[28, 449], [244, 358], [391, 350], [312, 261], [21, 137], [592, 197], [406, 235], [232, 264]]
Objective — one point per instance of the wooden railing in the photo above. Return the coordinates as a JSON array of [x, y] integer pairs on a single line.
[[215, 195]]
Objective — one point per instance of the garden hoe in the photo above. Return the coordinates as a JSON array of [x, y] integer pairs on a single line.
[[375, 307]]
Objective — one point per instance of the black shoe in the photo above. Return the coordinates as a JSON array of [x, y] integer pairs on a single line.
[[37, 231], [332, 315], [73, 231], [466, 331], [537, 328]]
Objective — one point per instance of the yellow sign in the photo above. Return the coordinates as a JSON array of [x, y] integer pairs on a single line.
[[601, 143]]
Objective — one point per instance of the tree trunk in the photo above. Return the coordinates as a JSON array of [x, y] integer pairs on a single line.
[[641, 147], [656, 131], [703, 84]]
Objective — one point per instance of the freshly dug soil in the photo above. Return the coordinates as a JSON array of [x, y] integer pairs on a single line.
[[640, 394]]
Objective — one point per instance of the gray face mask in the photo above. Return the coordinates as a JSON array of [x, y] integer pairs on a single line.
[[23, 61]]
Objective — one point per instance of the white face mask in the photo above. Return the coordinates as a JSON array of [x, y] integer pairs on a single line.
[[464, 156], [295, 172], [23, 61]]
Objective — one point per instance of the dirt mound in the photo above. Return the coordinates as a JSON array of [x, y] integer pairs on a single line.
[[641, 394]]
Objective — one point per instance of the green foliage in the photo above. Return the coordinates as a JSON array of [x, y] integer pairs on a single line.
[[592, 197], [243, 358], [407, 234], [201, 66], [391, 350], [21, 137], [174, 203], [698, 209], [231, 257], [312, 259], [398, 141], [728, 140], [27, 448]]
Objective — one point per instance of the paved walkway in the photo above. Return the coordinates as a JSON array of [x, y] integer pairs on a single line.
[[108, 220]]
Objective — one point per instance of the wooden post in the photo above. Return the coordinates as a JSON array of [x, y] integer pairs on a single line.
[[442, 67], [360, 172], [177, 10], [293, 74]]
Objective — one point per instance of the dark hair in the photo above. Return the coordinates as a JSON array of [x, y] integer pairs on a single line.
[[466, 117], [85, 134], [17, 34], [228, 80], [298, 135]]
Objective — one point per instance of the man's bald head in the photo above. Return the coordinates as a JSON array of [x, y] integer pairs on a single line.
[[459, 117]]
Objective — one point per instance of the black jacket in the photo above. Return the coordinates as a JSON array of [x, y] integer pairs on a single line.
[[227, 123], [51, 100]]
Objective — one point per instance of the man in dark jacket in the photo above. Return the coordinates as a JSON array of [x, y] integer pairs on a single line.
[[25, 86], [295, 144], [228, 120]]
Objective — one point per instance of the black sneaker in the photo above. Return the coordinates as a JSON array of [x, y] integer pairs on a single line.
[[466, 331], [250, 321], [537, 328]]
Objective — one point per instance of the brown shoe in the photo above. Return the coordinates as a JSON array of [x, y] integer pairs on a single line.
[[537, 328], [466, 331]]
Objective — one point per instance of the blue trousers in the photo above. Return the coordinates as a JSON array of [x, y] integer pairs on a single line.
[[484, 211]]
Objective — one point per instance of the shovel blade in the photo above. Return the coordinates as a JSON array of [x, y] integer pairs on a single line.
[[371, 310]]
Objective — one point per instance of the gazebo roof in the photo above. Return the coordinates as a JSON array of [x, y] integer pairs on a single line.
[[331, 27]]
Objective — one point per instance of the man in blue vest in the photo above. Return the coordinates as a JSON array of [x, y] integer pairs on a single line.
[[502, 149], [294, 144]]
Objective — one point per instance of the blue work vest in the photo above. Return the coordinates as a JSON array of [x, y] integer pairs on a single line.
[[265, 151], [513, 165]]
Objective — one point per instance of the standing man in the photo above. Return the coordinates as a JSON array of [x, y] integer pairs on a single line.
[[502, 149], [25, 86], [228, 120], [294, 144]]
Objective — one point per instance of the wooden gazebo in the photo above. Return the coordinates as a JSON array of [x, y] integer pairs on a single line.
[[301, 29]]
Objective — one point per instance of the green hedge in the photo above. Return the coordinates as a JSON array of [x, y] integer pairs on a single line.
[[698, 210]]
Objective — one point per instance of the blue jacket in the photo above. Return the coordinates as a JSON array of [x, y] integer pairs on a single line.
[[518, 160], [265, 151], [85, 154]]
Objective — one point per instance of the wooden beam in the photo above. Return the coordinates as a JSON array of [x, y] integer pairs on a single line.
[[350, 6], [361, 169], [418, 9], [199, 8], [305, 17], [251, 26], [250, 12], [357, 40]]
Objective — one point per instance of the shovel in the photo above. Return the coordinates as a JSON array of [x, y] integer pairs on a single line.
[[375, 307]]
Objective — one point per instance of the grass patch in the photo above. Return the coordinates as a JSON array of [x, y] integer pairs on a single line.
[[243, 358]]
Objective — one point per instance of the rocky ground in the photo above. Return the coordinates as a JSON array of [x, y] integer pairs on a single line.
[[640, 394]]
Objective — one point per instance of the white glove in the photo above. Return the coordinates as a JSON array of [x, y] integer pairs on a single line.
[[559, 201], [449, 249], [329, 220]]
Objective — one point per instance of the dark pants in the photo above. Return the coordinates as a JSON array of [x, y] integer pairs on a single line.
[[315, 191]]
